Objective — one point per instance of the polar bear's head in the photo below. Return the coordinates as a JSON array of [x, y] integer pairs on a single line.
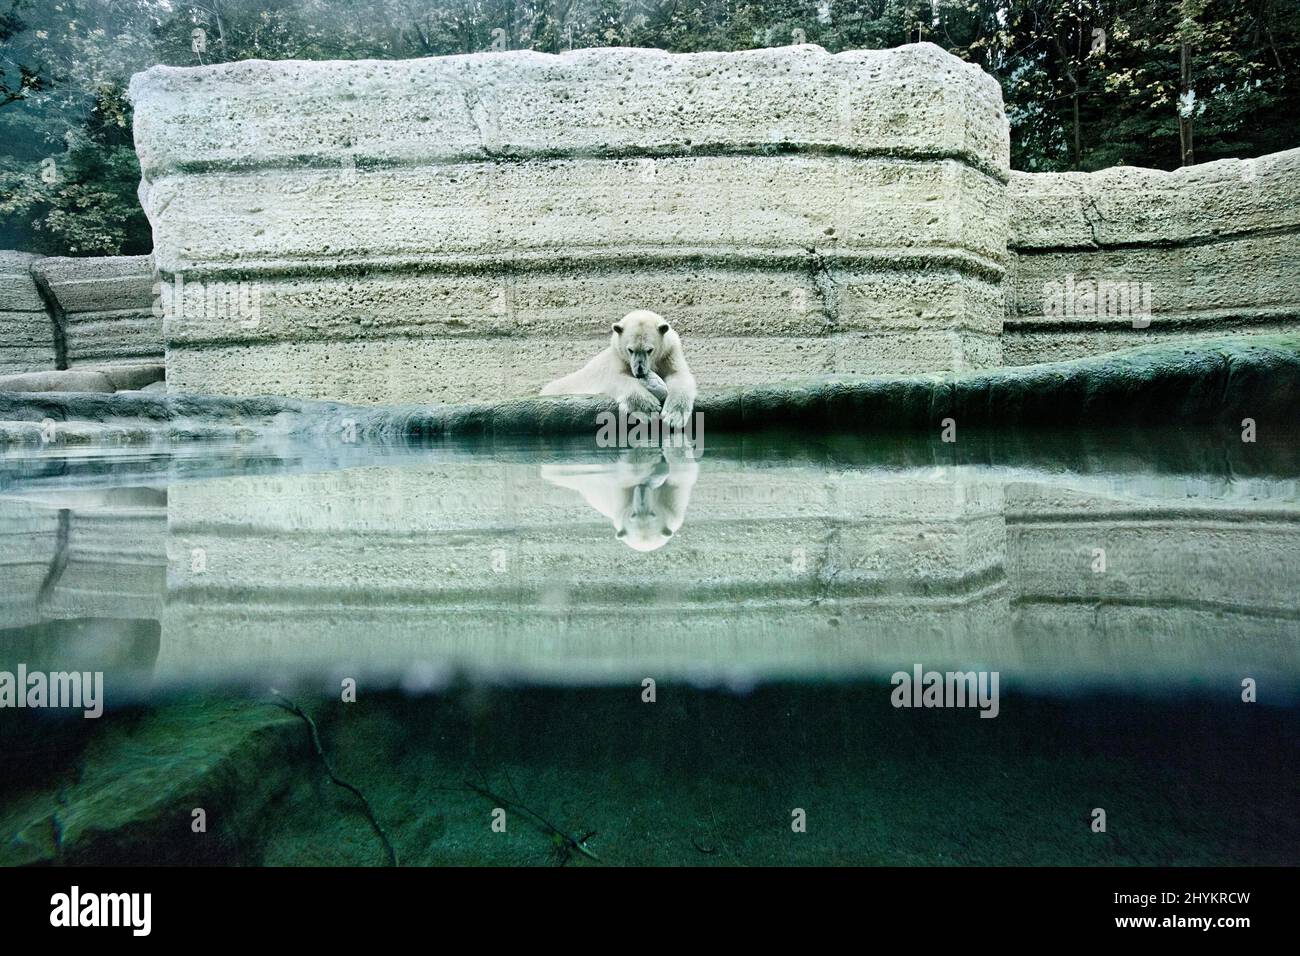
[[646, 523], [638, 339], [645, 493]]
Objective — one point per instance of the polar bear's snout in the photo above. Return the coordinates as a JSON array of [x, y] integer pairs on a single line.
[[640, 527], [641, 506], [639, 361], [638, 337]]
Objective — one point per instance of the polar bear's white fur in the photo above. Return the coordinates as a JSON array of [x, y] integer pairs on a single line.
[[645, 494], [642, 346]]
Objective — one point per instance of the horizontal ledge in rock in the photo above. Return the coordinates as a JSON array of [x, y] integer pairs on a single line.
[[1021, 246], [596, 259], [1206, 322], [1213, 381], [361, 164]]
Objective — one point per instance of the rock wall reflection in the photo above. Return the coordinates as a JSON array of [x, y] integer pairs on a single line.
[[741, 567]]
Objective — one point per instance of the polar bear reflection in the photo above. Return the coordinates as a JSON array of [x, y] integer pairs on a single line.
[[645, 493]]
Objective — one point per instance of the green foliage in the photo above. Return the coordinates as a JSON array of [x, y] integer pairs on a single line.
[[1072, 102], [82, 201]]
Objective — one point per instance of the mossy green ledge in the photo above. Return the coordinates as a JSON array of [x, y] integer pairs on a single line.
[[1212, 381]]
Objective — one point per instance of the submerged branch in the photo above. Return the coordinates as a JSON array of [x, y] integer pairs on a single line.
[[570, 842], [289, 705]]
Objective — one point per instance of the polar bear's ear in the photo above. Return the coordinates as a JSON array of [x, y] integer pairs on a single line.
[[618, 329], [663, 328]]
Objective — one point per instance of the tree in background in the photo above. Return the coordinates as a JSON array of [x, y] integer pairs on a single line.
[[68, 173], [1087, 83], [28, 81]]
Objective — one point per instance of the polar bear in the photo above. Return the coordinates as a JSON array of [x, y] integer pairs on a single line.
[[645, 493], [644, 356]]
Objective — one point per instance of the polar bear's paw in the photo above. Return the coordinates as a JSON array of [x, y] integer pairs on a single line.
[[655, 386], [676, 412], [640, 402]]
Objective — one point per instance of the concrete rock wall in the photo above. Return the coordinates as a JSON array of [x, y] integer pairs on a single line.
[[27, 333], [105, 309], [1127, 257], [466, 228], [78, 324]]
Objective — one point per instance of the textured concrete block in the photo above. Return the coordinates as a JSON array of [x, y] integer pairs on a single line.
[[1127, 257], [105, 308], [1127, 205], [27, 335], [464, 228]]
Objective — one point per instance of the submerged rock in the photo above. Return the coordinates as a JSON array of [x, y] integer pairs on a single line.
[[128, 797]]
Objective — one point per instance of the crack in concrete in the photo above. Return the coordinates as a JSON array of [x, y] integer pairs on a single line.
[[828, 290], [1092, 223], [827, 571], [59, 563], [57, 319], [472, 109]]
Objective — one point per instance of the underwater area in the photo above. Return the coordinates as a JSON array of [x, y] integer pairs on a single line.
[[542, 652]]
